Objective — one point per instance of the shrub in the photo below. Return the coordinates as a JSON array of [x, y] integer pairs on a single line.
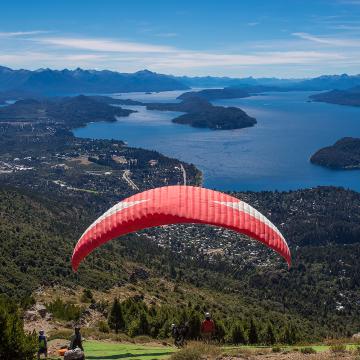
[[26, 302], [103, 327], [64, 311], [197, 351], [308, 350], [60, 334], [276, 349], [87, 296], [14, 343], [338, 348]]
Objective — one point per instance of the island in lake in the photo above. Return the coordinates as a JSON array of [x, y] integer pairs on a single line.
[[70, 111], [213, 94], [201, 113], [344, 154], [349, 97]]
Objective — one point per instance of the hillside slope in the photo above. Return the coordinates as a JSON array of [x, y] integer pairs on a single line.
[[344, 154], [37, 236]]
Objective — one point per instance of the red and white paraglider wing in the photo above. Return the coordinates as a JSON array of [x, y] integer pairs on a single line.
[[176, 205]]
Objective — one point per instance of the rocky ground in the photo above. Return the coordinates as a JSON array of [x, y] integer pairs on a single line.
[[295, 355], [298, 356]]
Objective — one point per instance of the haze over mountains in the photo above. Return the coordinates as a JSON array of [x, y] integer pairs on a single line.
[[55, 82], [47, 81]]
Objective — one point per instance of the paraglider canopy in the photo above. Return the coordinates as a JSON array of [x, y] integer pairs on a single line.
[[177, 205]]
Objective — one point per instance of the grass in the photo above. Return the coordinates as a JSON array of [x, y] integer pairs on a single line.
[[107, 350], [97, 350], [197, 351]]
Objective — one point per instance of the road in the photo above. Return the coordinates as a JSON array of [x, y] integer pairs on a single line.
[[183, 172], [126, 177]]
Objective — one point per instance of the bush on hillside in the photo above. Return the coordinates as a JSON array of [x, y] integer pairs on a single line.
[[308, 350], [338, 348], [64, 311], [14, 343]]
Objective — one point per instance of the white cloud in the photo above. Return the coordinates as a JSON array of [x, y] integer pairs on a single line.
[[104, 45], [193, 59], [62, 51], [21, 33], [328, 40]]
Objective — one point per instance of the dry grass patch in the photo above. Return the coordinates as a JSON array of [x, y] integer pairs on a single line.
[[197, 351]]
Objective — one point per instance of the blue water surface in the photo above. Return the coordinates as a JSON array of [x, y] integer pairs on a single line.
[[272, 155]]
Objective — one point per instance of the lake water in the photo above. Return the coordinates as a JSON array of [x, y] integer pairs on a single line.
[[272, 155]]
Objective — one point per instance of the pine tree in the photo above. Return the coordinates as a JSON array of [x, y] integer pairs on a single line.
[[143, 324], [270, 337], [238, 334], [14, 343], [116, 319], [253, 333], [194, 324], [290, 335], [220, 331]]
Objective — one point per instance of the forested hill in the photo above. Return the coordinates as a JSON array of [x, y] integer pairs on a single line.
[[202, 114], [350, 97], [344, 154], [321, 225], [68, 112]]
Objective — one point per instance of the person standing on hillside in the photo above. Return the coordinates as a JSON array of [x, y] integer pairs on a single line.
[[76, 349], [207, 329], [42, 344]]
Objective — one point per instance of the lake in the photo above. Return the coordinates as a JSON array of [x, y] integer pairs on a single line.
[[272, 155]]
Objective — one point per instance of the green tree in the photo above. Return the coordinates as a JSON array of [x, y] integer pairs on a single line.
[[238, 335], [143, 324], [220, 331], [194, 323], [253, 333], [116, 319], [14, 343], [87, 296], [290, 335], [270, 337]]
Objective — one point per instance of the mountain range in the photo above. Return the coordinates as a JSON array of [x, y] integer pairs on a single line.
[[324, 82], [350, 97], [57, 82], [60, 82]]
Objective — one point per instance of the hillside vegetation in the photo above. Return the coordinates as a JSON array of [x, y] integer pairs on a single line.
[[350, 97], [344, 154], [317, 297]]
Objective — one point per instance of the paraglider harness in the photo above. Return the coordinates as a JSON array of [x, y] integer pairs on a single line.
[[179, 334]]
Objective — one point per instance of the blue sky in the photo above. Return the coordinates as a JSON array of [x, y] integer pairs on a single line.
[[293, 38]]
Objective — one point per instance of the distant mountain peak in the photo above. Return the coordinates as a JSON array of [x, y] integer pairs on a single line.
[[45, 81], [4, 68], [146, 72]]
